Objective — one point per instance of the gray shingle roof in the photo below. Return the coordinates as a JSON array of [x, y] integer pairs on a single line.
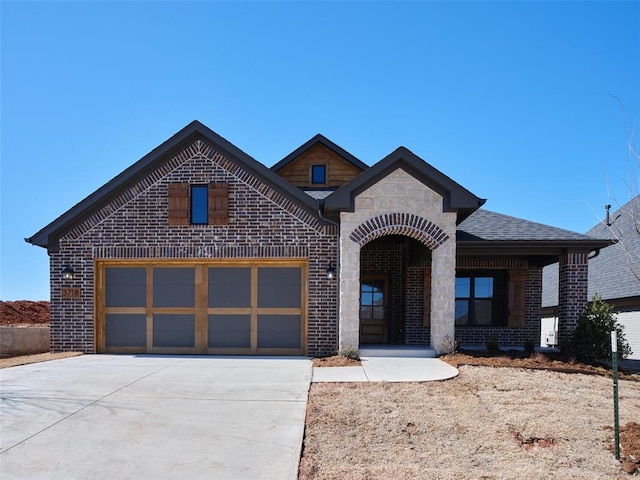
[[487, 225], [611, 273]]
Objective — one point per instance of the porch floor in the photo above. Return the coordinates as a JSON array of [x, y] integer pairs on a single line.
[[404, 351]]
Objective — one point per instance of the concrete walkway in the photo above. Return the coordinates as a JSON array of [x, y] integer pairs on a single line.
[[125, 416], [388, 369]]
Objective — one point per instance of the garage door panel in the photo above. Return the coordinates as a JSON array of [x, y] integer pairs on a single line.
[[279, 331], [191, 306], [279, 287], [174, 287], [229, 287], [174, 330], [229, 331], [125, 330], [125, 287]]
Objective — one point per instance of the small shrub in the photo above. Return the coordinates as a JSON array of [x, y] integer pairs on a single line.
[[591, 340], [492, 345], [529, 347], [350, 352]]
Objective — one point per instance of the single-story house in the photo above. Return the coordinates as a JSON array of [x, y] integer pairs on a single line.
[[614, 274], [199, 248]]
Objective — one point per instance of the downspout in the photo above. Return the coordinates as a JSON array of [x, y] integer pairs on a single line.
[[337, 224]]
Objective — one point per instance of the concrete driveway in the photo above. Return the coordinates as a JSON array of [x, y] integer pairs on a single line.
[[153, 417]]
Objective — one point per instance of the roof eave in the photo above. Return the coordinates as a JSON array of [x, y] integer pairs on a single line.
[[528, 247], [48, 236]]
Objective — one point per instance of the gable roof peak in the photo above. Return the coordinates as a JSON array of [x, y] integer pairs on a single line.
[[49, 236], [318, 138], [455, 196]]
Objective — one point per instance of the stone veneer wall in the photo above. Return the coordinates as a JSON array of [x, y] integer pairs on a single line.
[[263, 223], [399, 204]]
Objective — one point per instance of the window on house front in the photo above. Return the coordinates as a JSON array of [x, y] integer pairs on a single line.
[[318, 174], [199, 205], [480, 298]]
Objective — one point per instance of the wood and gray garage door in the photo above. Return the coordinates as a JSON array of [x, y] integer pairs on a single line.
[[222, 308]]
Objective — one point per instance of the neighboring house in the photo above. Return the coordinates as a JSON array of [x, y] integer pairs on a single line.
[[614, 274], [199, 248]]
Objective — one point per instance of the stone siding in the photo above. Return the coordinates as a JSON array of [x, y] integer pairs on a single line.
[[399, 204]]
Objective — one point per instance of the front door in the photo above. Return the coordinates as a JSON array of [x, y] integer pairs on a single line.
[[373, 309]]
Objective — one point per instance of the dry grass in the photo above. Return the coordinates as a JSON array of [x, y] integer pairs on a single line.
[[488, 423]]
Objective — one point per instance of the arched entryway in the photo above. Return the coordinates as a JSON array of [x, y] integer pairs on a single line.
[[392, 291], [384, 287]]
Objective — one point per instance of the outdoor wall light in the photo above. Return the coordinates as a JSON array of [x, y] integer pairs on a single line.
[[331, 273], [68, 273]]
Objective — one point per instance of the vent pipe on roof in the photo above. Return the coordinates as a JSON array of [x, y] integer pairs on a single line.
[[608, 217]]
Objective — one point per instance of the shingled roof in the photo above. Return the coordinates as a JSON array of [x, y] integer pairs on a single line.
[[615, 273], [491, 226]]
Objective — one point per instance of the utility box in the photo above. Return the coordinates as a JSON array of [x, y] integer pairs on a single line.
[[549, 332]]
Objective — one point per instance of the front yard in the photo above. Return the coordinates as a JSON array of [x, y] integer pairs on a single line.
[[488, 423]]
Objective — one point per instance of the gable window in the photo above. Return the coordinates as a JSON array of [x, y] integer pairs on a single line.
[[480, 298], [318, 174], [198, 204]]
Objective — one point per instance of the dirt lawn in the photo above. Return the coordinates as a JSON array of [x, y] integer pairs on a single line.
[[488, 423]]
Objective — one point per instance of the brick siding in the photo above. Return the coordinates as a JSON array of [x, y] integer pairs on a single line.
[[263, 223], [390, 256], [506, 336], [572, 293]]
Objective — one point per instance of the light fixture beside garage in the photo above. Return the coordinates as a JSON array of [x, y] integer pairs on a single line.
[[68, 273], [331, 273]]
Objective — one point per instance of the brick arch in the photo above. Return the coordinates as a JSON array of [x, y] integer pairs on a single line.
[[406, 224]]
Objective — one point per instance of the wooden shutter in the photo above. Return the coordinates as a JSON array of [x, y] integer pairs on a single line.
[[426, 299], [218, 203], [517, 278], [178, 204]]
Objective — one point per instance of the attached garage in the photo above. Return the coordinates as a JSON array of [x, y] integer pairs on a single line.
[[226, 307]]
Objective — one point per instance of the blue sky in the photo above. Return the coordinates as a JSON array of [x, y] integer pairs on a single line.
[[510, 99]]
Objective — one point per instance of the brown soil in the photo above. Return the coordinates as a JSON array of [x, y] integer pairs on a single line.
[[537, 361], [335, 361], [629, 446], [24, 313]]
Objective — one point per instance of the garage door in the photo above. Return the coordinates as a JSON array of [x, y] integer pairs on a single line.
[[221, 308]]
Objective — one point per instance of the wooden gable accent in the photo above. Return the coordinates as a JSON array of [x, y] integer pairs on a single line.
[[218, 203], [339, 170], [179, 204]]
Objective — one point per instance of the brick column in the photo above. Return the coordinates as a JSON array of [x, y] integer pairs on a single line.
[[572, 291]]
